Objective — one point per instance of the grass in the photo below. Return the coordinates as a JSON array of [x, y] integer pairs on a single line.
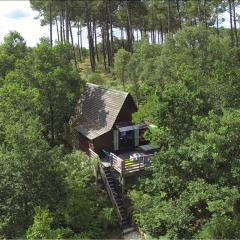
[[100, 76]]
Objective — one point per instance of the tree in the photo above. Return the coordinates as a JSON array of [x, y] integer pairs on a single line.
[[192, 96], [59, 86], [42, 229], [86, 209], [50, 70], [28, 178], [12, 49], [121, 60]]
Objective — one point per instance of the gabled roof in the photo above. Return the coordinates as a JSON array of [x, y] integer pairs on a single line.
[[99, 110]]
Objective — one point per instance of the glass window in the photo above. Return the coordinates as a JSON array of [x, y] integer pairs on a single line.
[[126, 140]]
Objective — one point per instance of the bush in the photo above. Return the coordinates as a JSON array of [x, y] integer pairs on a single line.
[[95, 78]]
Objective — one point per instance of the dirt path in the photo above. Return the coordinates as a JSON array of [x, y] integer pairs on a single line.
[[133, 236]]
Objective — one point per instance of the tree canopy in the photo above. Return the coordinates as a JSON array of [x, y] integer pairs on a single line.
[[182, 68]]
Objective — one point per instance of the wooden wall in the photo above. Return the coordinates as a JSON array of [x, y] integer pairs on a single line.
[[128, 108], [105, 142], [84, 143]]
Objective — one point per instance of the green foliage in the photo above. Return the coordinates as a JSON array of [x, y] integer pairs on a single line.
[[28, 177], [221, 227], [192, 98], [85, 209], [41, 228], [59, 86], [38, 93], [12, 49], [95, 78], [121, 60], [183, 216], [50, 71]]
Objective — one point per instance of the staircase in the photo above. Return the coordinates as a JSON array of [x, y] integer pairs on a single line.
[[116, 198]]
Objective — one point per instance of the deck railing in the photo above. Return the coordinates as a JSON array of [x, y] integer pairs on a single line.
[[126, 167], [94, 155], [117, 162]]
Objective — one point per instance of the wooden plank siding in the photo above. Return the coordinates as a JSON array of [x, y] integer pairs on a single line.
[[104, 141], [129, 107], [99, 111]]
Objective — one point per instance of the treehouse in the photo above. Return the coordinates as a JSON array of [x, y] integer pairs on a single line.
[[104, 129]]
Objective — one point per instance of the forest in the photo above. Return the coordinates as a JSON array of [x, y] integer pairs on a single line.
[[181, 65]]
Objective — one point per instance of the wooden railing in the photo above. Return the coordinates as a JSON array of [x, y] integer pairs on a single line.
[[110, 193], [92, 154], [117, 162], [125, 167]]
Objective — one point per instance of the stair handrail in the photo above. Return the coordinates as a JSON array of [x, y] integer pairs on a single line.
[[110, 194], [93, 154]]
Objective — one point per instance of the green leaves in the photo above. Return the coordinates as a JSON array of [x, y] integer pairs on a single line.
[[194, 103], [42, 229], [121, 60]]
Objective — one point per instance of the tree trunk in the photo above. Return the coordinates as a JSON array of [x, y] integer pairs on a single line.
[[234, 21], [218, 25], [161, 29], [231, 24], [58, 38], [50, 19], [204, 13], [103, 49], [129, 28], [199, 11], [79, 51], [75, 58], [52, 124], [108, 45], [63, 26], [179, 15], [67, 20], [169, 17], [95, 38], [81, 40], [111, 29], [91, 45], [61, 29]]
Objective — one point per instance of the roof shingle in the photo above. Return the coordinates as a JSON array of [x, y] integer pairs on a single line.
[[99, 108]]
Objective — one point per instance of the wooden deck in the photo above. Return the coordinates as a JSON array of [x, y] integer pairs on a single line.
[[126, 166], [123, 164]]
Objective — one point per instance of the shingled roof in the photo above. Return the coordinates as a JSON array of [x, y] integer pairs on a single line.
[[99, 110]]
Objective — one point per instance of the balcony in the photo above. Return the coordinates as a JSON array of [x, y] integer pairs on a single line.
[[130, 162]]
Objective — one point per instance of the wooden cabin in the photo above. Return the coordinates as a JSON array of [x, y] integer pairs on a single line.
[[103, 128], [105, 121]]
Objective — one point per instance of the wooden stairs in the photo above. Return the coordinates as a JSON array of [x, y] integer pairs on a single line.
[[116, 198]]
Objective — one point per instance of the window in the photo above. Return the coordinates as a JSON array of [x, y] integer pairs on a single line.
[[126, 140]]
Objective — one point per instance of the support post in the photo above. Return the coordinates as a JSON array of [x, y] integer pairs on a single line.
[[96, 174], [136, 137], [123, 186], [122, 178]]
